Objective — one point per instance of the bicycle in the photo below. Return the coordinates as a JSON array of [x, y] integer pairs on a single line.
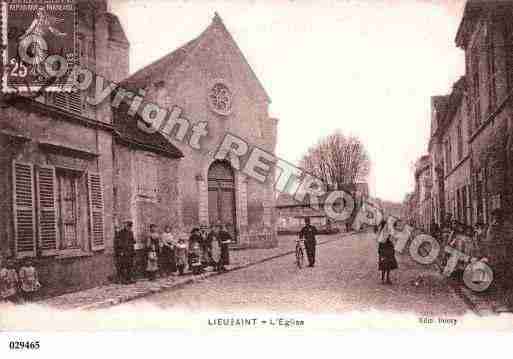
[[300, 256]]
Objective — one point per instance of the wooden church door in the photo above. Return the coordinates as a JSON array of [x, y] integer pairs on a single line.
[[221, 196]]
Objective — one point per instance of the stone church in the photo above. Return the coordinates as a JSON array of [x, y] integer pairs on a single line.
[[194, 188], [72, 171]]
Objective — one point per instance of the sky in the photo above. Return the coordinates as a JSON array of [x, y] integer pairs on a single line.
[[365, 67]]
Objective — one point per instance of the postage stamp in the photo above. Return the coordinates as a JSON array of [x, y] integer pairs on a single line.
[[32, 31]]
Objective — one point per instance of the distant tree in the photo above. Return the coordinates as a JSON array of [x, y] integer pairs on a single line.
[[337, 160]]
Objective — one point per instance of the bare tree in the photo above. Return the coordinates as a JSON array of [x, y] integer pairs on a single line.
[[337, 160]]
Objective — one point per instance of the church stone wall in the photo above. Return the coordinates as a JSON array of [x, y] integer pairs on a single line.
[[214, 59]]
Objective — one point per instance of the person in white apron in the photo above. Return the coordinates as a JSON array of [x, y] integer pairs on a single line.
[[181, 250], [214, 239]]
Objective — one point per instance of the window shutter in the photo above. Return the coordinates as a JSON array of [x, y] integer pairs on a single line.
[[96, 212], [69, 101], [47, 218], [23, 209]]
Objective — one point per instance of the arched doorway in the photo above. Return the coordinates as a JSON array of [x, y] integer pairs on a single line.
[[221, 195]]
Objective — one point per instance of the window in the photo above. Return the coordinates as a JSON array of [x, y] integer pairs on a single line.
[[476, 99], [480, 195], [448, 154], [84, 50], [457, 208], [460, 141], [67, 212], [464, 205], [468, 115], [492, 89], [51, 208], [261, 127], [68, 101], [147, 175]]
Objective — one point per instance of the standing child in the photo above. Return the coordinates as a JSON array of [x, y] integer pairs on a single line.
[[152, 262], [195, 258], [195, 242], [29, 280], [154, 238], [181, 255], [8, 282]]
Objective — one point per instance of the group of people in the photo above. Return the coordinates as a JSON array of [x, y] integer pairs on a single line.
[[165, 254], [487, 243], [18, 285]]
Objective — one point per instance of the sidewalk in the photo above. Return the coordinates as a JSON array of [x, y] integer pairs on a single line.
[[487, 303], [113, 294]]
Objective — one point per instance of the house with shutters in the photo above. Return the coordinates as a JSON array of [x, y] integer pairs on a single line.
[[73, 171], [56, 161], [471, 141]]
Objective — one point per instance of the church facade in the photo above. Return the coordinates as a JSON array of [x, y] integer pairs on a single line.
[[208, 80]]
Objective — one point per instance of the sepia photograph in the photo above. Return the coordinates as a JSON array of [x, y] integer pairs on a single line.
[[260, 166]]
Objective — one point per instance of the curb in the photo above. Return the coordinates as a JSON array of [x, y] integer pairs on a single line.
[[481, 305], [163, 287]]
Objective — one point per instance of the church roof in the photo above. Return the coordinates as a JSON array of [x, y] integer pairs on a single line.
[[127, 132], [116, 31], [153, 72], [149, 74]]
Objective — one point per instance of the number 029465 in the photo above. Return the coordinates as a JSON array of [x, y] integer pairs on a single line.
[[24, 345]]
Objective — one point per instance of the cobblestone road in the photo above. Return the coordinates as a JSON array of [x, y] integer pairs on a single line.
[[345, 278]]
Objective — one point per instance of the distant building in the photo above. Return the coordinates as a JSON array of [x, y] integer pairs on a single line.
[[450, 156], [291, 213], [471, 144], [486, 36], [409, 208], [389, 208], [424, 215]]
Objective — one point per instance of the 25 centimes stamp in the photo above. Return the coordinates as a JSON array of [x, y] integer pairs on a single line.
[[38, 43]]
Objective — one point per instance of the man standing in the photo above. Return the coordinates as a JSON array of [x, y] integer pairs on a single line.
[[126, 252], [117, 254], [226, 239], [308, 233]]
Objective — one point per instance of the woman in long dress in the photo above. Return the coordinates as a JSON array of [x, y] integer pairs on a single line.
[[386, 254], [226, 239], [168, 251]]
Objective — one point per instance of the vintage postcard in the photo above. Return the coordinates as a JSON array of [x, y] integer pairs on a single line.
[[291, 166]]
